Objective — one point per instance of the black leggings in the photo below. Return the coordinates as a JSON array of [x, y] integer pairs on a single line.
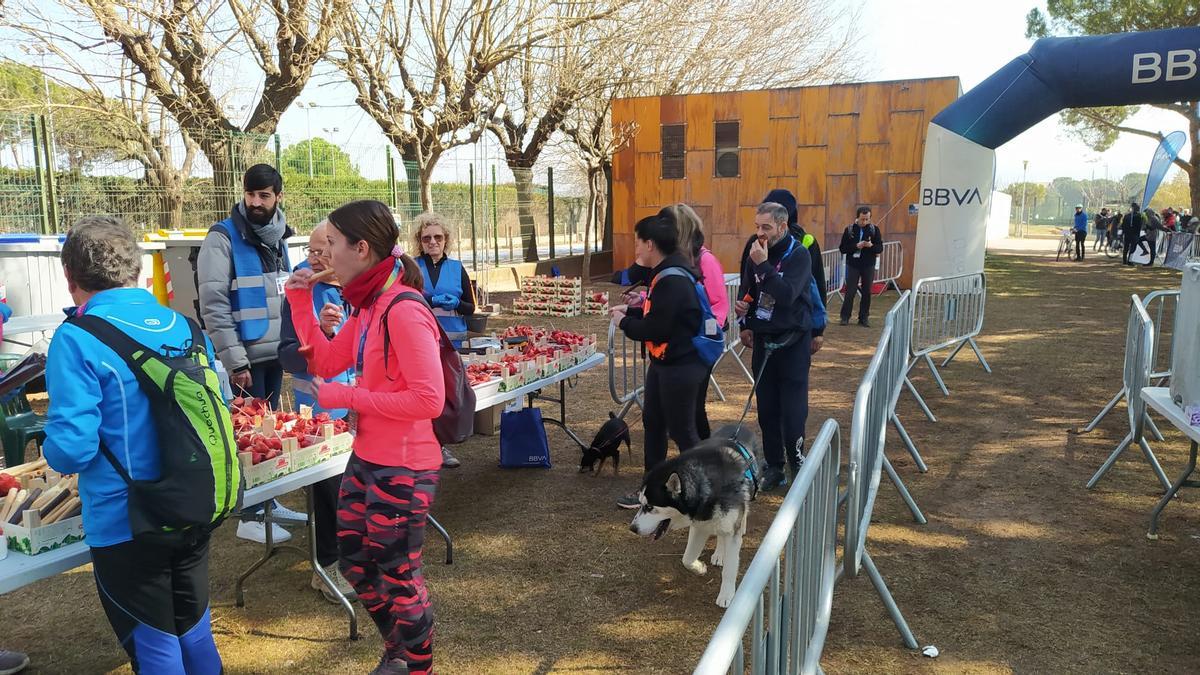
[[1080, 238], [703, 430], [669, 408], [782, 395], [156, 598]]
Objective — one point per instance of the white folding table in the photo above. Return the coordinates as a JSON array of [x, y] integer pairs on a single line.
[[1159, 398]]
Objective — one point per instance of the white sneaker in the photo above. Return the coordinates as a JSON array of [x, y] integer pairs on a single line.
[[255, 531], [285, 512]]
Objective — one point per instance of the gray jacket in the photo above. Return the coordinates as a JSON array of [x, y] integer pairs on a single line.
[[214, 274]]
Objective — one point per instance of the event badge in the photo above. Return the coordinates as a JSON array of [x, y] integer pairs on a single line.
[[766, 307], [280, 281]]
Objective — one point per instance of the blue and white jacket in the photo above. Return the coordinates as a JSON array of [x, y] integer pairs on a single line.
[[289, 347], [95, 397]]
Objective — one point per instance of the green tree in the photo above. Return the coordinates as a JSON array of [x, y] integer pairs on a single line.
[[1033, 193], [317, 157], [1173, 192], [1100, 127]]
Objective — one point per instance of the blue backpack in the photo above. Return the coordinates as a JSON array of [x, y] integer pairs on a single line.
[[710, 341], [820, 318]]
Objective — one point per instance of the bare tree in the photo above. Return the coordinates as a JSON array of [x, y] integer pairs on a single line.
[[188, 56], [441, 52]]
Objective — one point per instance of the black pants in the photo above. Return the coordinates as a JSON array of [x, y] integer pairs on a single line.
[[1145, 243], [703, 430], [1130, 243], [156, 598], [861, 279], [670, 407], [782, 395], [325, 504], [1080, 238]]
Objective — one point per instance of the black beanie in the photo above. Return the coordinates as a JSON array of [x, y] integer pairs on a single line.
[[784, 199]]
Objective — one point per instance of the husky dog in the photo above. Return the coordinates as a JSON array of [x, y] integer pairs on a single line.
[[606, 445], [709, 489]]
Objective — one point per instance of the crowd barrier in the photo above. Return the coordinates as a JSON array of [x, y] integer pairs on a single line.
[[947, 312], [626, 370], [1161, 308], [780, 612], [733, 345], [1139, 359], [889, 267], [1178, 248]]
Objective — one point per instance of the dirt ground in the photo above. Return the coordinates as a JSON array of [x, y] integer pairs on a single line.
[[1020, 569]]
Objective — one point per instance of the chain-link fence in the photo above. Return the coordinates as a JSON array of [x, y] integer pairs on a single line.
[[161, 180]]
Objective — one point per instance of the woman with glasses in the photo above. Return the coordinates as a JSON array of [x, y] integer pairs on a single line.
[[447, 286]]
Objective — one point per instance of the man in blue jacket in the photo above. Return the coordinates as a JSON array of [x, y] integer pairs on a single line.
[[1080, 231], [331, 313], [155, 594]]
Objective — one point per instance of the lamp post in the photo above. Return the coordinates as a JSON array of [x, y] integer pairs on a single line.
[[330, 131], [308, 121], [1024, 189]]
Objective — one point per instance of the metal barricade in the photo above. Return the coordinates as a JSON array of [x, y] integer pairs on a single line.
[[891, 265], [947, 312], [626, 370], [835, 271], [733, 345], [1161, 308], [1139, 355], [868, 432], [786, 595], [900, 317]]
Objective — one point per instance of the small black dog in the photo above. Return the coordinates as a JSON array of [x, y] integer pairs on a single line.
[[607, 443]]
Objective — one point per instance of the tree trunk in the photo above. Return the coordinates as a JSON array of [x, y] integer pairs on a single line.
[[607, 238], [1194, 174], [524, 181], [218, 149], [586, 263]]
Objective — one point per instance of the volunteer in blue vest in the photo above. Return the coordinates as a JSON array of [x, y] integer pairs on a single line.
[[776, 279], [666, 321], [330, 310], [240, 272], [447, 286], [153, 591]]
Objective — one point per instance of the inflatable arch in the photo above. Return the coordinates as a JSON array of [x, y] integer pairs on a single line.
[[1078, 72]]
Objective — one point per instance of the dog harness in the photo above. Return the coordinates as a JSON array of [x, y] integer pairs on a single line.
[[751, 467]]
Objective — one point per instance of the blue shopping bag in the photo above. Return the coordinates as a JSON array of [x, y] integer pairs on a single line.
[[523, 440]]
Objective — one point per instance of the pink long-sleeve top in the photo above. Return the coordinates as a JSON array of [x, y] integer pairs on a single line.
[[395, 408], [714, 284]]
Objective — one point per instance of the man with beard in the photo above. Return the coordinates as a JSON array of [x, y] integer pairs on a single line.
[[240, 272]]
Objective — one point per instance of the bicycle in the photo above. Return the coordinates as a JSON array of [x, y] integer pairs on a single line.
[[1066, 245], [1114, 247]]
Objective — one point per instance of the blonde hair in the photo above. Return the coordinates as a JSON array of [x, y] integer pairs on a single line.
[[690, 230], [427, 219]]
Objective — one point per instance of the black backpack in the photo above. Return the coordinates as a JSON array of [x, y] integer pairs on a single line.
[[457, 421], [200, 478]]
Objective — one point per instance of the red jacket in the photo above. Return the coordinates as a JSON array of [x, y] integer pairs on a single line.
[[396, 408]]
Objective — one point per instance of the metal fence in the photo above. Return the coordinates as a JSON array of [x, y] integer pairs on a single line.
[[947, 312], [1139, 355], [1178, 248], [733, 344], [1161, 307], [52, 175], [891, 265], [835, 271], [868, 432], [626, 370], [782, 605]]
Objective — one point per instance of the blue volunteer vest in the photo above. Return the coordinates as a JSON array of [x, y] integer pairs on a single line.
[[247, 292], [302, 384], [449, 283]]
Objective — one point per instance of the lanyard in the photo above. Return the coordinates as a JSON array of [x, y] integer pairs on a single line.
[[779, 265], [366, 325]]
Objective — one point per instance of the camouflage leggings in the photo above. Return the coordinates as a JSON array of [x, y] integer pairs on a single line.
[[381, 528]]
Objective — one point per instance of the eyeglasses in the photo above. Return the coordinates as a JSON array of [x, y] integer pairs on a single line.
[[316, 252], [427, 238]]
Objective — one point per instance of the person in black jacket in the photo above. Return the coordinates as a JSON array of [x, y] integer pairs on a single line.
[[666, 321], [785, 199], [775, 314], [1131, 232], [861, 242]]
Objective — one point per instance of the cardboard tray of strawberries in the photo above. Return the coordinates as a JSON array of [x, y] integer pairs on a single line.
[[272, 444]]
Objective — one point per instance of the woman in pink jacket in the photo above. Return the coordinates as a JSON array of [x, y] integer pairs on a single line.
[[691, 245], [391, 478]]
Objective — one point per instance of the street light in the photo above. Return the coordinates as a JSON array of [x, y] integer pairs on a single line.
[[330, 131], [308, 120], [1024, 189]]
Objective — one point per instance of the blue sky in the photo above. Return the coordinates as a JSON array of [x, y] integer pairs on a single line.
[[972, 39]]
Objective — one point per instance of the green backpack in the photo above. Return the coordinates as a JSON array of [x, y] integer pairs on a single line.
[[200, 481]]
